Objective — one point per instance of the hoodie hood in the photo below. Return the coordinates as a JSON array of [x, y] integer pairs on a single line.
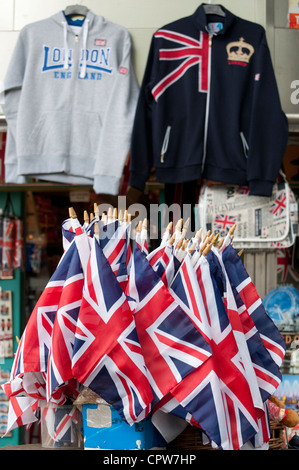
[[70, 98], [81, 32]]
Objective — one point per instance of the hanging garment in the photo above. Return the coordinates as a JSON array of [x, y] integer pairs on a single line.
[[209, 106], [70, 99]]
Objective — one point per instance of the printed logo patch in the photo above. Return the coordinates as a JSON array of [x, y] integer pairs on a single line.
[[100, 42], [239, 52], [123, 70]]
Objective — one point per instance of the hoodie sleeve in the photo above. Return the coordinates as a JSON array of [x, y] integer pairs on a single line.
[[141, 159], [268, 127], [12, 92], [117, 125]]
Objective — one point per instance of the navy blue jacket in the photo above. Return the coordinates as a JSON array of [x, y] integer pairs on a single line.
[[209, 106]]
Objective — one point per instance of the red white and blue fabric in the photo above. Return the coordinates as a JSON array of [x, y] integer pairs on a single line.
[[22, 411], [70, 227], [279, 205], [64, 425], [33, 350], [267, 372], [29, 370], [171, 344], [141, 240], [107, 355], [240, 279], [190, 53], [218, 395], [224, 222], [114, 239], [168, 265], [61, 352]]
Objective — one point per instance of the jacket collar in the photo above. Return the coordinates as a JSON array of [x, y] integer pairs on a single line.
[[201, 19]]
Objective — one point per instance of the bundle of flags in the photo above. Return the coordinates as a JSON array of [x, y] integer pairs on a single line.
[[179, 333]]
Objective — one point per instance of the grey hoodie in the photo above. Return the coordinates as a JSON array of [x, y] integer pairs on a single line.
[[70, 114]]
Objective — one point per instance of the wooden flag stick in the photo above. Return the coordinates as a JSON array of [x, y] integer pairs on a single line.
[[169, 227], [172, 240], [192, 247], [114, 213], [232, 229], [198, 234], [110, 214], [138, 227], [96, 231], [72, 213], [185, 244], [186, 226], [104, 218], [180, 243], [206, 236], [120, 215], [207, 249], [85, 217], [144, 224], [215, 239], [220, 243], [203, 245], [179, 225], [96, 210]]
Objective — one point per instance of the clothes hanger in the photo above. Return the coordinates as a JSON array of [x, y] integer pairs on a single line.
[[76, 10], [213, 10]]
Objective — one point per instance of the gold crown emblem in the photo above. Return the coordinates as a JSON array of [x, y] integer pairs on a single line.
[[239, 52]]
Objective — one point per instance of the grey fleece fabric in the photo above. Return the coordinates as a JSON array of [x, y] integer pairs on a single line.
[[70, 96]]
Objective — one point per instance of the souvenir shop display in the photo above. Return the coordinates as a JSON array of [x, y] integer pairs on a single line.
[[144, 330], [154, 341], [262, 222], [69, 79], [12, 242], [6, 324], [4, 402], [209, 105]]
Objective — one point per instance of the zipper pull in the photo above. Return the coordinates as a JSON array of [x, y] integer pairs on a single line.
[[76, 38], [165, 144], [210, 40]]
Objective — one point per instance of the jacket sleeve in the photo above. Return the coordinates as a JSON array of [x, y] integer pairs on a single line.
[[12, 88], [117, 125], [141, 159], [268, 126]]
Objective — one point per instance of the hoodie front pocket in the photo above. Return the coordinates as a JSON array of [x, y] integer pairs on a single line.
[[49, 135], [86, 134], [165, 144]]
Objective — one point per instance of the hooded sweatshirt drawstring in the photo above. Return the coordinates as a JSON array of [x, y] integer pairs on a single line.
[[66, 49], [85, 34], [84, 41]]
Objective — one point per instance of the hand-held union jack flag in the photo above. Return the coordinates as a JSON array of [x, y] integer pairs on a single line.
[[171, 344], [63, 336], [217, 395], [33, 351], [107, 356], [240, 279]]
